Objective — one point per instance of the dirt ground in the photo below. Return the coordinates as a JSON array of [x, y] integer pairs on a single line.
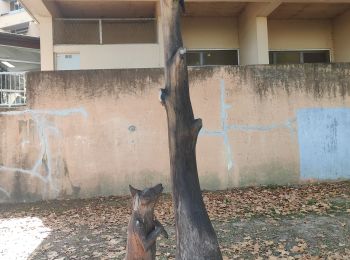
[[294, 222]]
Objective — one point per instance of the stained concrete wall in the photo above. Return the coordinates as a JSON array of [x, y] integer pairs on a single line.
[[90, 133]]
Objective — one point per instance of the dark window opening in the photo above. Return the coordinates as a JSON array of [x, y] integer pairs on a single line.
[[212, 57], [15, 5], [299, 57], [317, 57], [22, 31]]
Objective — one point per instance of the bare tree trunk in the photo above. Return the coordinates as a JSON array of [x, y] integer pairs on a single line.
[[195, 236]]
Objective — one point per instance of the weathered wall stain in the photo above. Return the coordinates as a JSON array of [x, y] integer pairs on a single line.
[[42, 168], [93, 83], [318, 80]]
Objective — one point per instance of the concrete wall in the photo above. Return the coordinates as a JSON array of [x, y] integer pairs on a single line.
[[114, 55], [210, 32], [300, 34], [89, 133], [341, 27]]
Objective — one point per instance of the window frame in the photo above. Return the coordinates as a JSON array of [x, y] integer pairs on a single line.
[[213, 49], [301, 56]]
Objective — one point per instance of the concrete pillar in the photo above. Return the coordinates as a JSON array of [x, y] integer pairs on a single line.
[[341, 38], [46, 43], [253, 36], [33, 29], [160, 35]]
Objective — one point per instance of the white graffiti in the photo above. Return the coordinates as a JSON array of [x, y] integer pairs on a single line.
[[226, 128], [5, 192], [44, 129]]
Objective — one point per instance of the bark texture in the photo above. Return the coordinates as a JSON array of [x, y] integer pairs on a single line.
[[195, 236]]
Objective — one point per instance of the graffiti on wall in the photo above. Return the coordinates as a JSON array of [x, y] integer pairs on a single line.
[[44, 129], [323, 136], [226, 127]]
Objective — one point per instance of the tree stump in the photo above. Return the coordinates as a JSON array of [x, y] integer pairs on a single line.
[[195, 235]]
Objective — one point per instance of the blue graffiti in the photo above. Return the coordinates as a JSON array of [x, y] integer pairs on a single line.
[[324, 143]]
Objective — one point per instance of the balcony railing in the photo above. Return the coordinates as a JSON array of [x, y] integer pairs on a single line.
[[12, 89]]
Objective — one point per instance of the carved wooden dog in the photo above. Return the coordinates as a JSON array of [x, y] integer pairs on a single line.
[[143, 228]]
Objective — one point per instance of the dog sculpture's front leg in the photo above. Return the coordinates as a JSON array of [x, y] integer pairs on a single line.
[[163, 231], [147, 241]]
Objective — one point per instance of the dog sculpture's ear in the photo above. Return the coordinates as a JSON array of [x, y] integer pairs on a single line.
[[133, 191], [158, 188]]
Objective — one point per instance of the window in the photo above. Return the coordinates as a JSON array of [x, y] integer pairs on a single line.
[[22, 31], [299, 57], [15, 5], [212, 57]]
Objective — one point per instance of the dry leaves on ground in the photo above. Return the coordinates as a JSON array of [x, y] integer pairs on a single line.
[[294, 222]]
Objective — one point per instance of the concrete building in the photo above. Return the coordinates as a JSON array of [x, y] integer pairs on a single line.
[[15, 19], [19, 38], [87, 34]]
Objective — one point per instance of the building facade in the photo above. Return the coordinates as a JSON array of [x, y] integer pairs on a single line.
[[102, 34], [15, 19], [19, 39]]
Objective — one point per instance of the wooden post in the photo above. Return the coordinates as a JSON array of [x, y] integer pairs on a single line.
[[195, 236]]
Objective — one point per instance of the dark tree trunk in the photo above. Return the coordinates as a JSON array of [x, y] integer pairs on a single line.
[[195, 236]]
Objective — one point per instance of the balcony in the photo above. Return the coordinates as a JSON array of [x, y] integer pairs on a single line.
[[14, 19], [106, 43]]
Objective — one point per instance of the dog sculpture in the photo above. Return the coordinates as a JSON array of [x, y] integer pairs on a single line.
[[143, 228]]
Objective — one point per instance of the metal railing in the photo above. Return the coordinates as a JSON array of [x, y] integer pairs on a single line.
[[12, 89]]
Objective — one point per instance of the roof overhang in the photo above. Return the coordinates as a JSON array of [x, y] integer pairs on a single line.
[[309, 10], [276, 9]]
